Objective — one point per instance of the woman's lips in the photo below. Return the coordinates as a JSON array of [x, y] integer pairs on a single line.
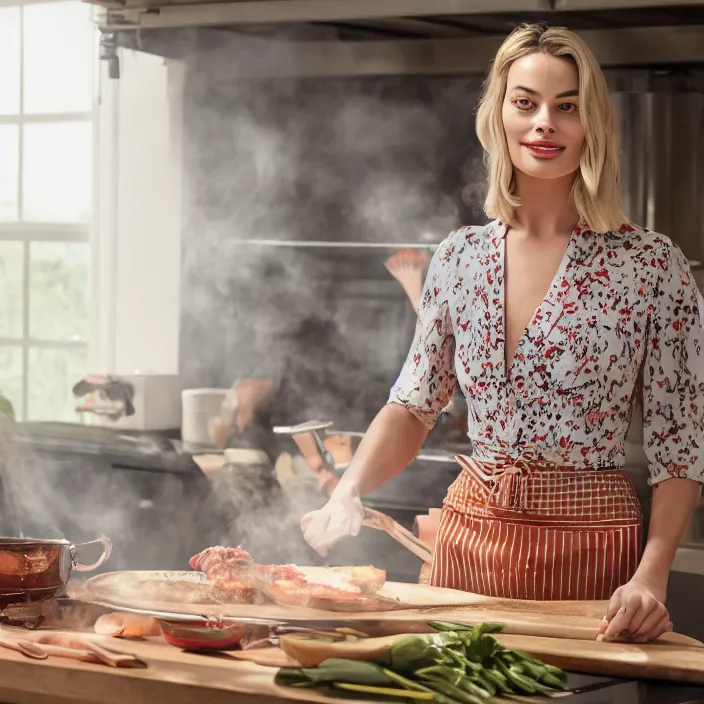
[[543, 150]]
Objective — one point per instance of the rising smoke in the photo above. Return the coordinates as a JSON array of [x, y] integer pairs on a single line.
[[377, 160]]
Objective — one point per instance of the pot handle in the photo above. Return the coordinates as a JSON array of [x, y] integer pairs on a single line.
[[107, 549]]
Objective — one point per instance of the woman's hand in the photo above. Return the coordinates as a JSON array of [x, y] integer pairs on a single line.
[[341, 516], [636, 614]]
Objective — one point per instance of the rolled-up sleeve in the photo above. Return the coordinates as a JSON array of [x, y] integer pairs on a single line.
[[673, 374], [427, 380]]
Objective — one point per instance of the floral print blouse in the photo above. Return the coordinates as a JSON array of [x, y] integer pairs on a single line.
[[620, 325]]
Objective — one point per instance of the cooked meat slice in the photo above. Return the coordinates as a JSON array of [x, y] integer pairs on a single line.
[[368, 579], [274, 573], [291, 592], [221, 563], [233, 592]]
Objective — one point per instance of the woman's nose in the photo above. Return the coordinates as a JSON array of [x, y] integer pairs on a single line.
[[544, 122]]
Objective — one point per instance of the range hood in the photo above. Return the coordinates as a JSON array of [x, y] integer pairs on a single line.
[[410, 18], [418, 37]]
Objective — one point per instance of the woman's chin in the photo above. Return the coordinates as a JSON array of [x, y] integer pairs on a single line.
[[545, 169]]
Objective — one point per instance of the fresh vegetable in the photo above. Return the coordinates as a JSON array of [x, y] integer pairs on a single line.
[[457, 665]]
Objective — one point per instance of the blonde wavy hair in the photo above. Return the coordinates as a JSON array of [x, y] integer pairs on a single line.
[[596, 193]]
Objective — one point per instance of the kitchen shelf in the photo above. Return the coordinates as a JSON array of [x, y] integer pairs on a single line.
[[320, 244]]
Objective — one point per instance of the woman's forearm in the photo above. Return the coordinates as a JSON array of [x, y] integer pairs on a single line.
[[673, 503], [390, 444]]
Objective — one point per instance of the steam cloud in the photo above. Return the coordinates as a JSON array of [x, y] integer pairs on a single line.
[[378, 160]]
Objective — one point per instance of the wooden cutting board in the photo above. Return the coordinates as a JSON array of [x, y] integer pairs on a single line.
[[674, 663], [557, 619], [128, 589], [181, 591]]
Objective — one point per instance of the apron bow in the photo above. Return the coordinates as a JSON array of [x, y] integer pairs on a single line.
[[504, 482]]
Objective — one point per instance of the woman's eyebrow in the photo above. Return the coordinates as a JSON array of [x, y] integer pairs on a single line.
[[531, 91], [526, 90]]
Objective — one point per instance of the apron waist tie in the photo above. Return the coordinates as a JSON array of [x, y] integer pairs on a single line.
[[504, 484]]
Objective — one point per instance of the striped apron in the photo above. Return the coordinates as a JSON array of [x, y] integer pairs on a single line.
[[529, 529]]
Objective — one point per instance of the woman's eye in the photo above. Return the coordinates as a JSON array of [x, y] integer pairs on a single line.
[[523, 104], [567, 107]]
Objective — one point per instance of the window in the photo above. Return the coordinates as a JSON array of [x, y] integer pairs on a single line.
[[47, 64]]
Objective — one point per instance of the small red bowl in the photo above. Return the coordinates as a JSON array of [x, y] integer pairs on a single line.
[[201, 636]]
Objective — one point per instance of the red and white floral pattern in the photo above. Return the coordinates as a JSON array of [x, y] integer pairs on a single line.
[[621, 324]]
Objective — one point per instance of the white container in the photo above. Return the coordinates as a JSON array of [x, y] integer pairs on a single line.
[[157, 404], [200, 406]]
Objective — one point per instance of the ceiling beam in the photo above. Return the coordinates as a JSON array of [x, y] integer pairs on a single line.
[[130, 14], [614, 48], [587, 5], [289, 11]]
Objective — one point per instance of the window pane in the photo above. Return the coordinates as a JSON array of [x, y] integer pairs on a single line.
[[52, 375], [59, 53], [58, 290], [57, 176], [12, 299], [9, 171], [11, 376], [9, 60]]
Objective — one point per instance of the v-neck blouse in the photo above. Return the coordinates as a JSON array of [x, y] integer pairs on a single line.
[[621, 324]]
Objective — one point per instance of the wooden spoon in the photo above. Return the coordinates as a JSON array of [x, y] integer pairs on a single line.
[[380, 521]]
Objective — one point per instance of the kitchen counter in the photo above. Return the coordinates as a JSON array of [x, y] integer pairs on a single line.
[[182, 678]]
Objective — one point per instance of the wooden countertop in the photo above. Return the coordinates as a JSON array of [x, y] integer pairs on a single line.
[[171, 676], [176, 677]]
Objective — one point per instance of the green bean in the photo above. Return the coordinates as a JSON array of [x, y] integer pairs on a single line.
[[499, 680], [454, 692], [556, 672], [522, 655], [385, 691], [453, 627], [535, 671], [441, 671], [404, 681], [508, 657], [474, 688], [458, 664], [518, 681], [486, 682], [483, 628], [551, 681]]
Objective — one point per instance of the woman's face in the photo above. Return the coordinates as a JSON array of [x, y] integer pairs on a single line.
[[541, 116]]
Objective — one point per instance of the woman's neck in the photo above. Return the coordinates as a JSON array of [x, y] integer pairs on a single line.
[[546, 208]]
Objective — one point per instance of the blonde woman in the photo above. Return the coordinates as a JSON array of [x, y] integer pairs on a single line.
[[556, 320]]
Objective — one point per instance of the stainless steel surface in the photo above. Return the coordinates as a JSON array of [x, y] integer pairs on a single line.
[[210, 618], [662, 134], [311, 427], [689, 559], [694, 534], [377, 13], [667, 45], [334, 245], [279, 11], [583, 5]]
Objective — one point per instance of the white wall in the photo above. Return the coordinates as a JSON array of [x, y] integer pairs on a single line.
[[138, 253]]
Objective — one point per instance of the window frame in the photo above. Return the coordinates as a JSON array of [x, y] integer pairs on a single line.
[[30, 232]]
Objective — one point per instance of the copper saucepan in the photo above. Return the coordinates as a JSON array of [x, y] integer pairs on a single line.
[[32, 569]]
